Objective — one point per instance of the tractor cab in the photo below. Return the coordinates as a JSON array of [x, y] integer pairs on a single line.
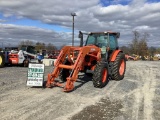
[[106, 41]]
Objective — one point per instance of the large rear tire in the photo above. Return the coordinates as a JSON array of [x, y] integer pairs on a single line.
[[100, 76], [2, 60], [118, 67]]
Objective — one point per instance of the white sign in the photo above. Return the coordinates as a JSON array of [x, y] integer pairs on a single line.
[[35, 74]]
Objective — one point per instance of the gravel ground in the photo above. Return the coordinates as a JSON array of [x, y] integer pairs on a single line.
[[136, 97]]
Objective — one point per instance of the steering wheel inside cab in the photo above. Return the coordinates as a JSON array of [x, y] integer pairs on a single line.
[[99, 45]]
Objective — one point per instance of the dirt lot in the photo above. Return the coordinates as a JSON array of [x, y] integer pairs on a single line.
[[136, 97]]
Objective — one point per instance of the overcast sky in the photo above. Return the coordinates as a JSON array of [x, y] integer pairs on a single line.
[[50, 21]]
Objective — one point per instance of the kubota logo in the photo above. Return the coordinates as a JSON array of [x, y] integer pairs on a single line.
[[92, 49]]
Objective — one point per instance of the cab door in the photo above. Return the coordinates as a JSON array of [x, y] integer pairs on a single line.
[[113, 45]]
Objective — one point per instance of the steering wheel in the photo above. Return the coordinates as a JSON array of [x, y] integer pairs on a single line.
[[99, 45]]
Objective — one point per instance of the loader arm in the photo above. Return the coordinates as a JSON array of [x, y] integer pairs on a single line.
[[56, 70], [75, 67]]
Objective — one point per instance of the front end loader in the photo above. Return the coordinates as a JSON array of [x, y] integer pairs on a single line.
[[100, 58]]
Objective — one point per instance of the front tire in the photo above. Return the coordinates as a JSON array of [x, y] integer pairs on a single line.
[[100, 76]]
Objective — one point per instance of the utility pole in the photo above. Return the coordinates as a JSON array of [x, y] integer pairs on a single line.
[[73, 14]]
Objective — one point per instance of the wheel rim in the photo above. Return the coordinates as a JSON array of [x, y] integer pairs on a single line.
[[104, 75], [122, 67], [0, 60]]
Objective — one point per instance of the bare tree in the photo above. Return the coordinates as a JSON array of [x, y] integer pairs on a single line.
[[40, 46], [51, 47], [134, 43], [143, 47], [139, 43], [27, 42]]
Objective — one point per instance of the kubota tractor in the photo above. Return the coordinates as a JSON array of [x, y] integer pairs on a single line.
[[100, 58]]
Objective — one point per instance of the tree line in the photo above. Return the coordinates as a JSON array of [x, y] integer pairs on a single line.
[[137, 46], [39, 45]]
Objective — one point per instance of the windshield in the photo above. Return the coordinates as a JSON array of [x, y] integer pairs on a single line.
[[23, 48], [97, 39]]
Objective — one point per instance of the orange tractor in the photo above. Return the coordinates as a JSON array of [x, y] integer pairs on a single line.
[[100, 58]]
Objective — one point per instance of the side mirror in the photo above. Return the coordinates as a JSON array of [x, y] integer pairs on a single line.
[[81, 38], [118, 35], [80, 34]]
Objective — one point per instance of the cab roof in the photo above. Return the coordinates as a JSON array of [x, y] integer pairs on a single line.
[[104, 32]]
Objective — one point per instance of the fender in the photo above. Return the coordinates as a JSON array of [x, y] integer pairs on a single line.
[[114, 55]]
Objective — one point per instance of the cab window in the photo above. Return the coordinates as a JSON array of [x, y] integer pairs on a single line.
[[112, 41]]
